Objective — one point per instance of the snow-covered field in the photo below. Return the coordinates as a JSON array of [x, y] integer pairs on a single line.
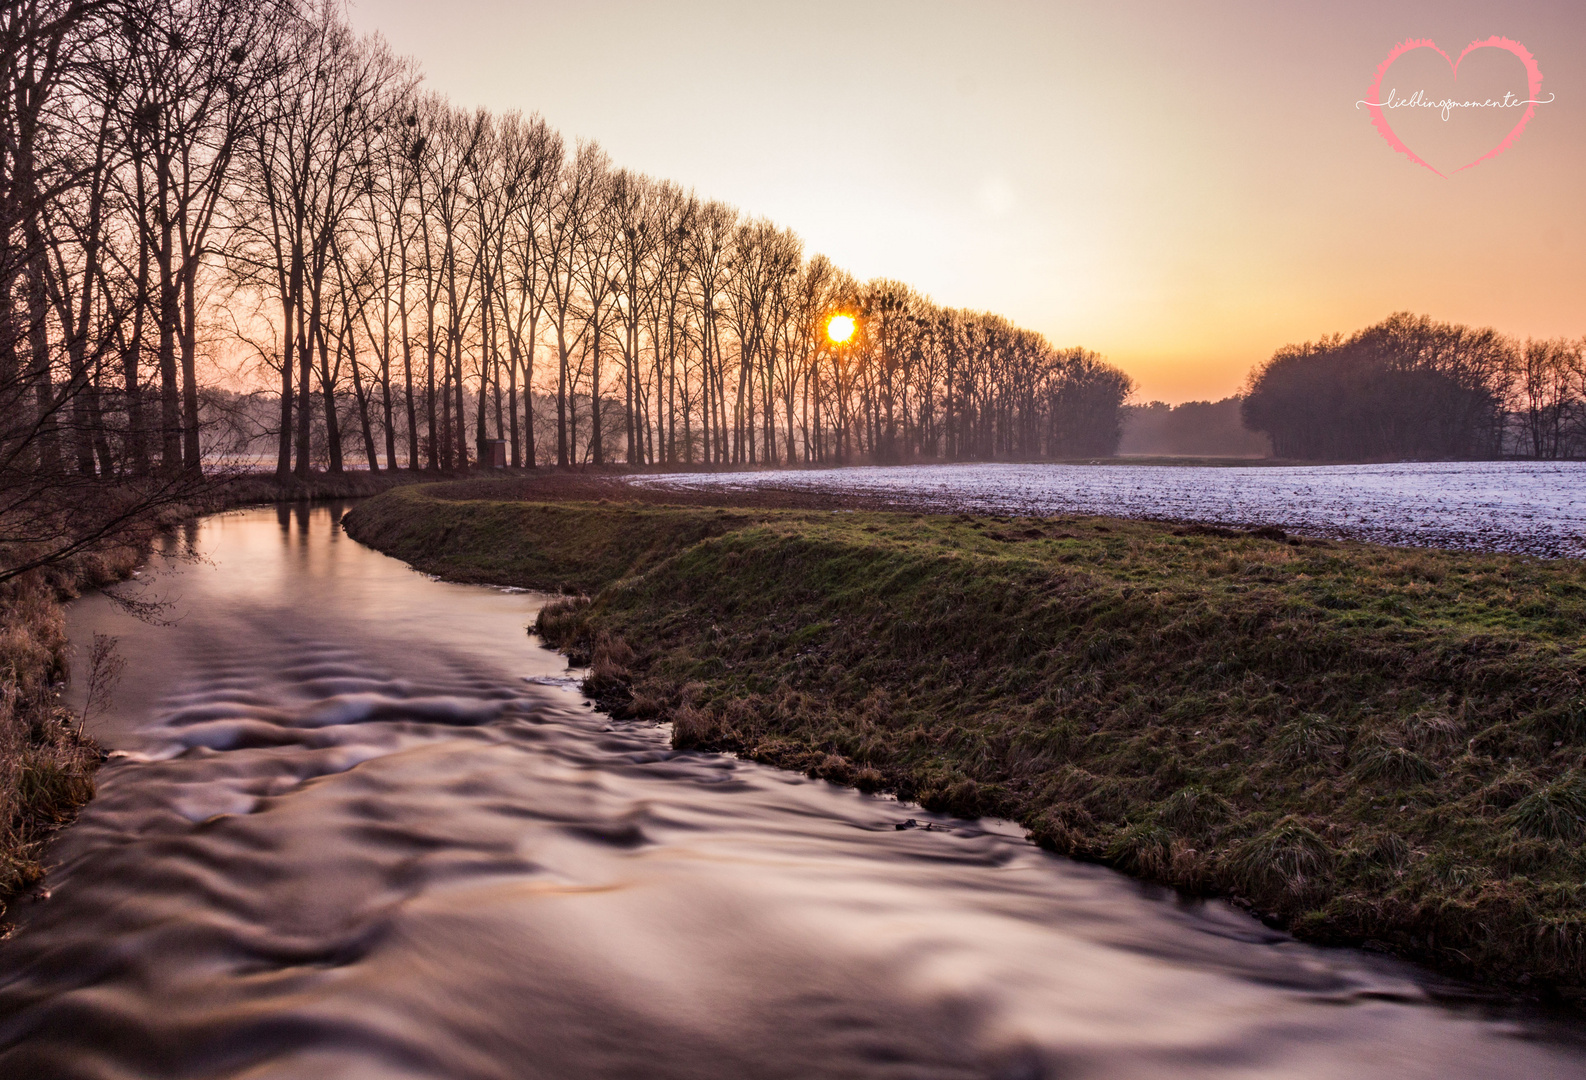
[[1538, 508]]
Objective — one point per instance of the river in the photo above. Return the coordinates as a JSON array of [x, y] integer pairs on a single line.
[[359, 824]]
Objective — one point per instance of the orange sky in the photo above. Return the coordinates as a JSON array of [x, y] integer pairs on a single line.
[[1182, 187]]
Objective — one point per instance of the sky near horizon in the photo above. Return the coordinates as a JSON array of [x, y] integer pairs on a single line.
[[1181, 187]]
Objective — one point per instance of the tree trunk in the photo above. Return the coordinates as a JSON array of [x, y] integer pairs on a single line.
[[529, 458], [283, 459], [137, 433], [561, 398], [512, 406], [307, 334], [594, 398], [327, 384], [170, 401], [462, 423], [191, 452], [362, 401]]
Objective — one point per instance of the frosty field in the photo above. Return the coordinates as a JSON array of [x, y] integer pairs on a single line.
[[1529, 507]]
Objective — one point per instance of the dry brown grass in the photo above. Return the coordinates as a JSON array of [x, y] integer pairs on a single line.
[[46, 766]]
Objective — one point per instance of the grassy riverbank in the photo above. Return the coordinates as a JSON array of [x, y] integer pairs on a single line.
[[1371, 745], [254, 488], [46, 767]]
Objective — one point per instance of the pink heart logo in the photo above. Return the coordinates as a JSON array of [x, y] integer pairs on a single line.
[[1533, 84]]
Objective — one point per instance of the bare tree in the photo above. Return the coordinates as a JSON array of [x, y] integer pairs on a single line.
[[710, 240], [573, 205], [531, 166], [309, 167], [197, 74]]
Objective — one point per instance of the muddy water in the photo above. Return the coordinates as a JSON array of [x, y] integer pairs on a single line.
[[361, 825]]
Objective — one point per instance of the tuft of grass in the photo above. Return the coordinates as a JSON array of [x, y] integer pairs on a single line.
[[1193, 811], [1309, 737], [1398, 763], [609, 676], [1144, 849], [1396, 766], [1390, 851], [1554, 812], [558, 623], [1289, 857], [1564, 722]]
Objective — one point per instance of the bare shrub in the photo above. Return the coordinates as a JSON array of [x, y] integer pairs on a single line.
[[105, 668]]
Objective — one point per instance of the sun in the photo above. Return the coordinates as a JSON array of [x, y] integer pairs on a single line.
[[840, 328]]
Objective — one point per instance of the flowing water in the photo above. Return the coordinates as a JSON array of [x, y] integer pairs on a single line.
[[359, 824]]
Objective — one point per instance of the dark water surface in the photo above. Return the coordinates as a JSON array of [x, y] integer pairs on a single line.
[[362, 826]]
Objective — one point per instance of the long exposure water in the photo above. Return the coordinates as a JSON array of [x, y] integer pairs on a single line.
[[359, 824]]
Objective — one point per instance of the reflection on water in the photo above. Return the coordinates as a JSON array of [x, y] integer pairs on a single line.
[[361, 826]]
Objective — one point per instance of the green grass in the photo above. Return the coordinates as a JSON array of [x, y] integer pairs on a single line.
[[1363, 743], [576, 547]]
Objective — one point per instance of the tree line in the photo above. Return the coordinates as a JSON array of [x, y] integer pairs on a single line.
[[190, 182], [1191, 429], [1412, 387]]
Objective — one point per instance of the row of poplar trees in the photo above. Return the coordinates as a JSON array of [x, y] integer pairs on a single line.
[[198, 192]]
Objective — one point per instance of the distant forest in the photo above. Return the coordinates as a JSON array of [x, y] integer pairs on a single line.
[[1192, 429], [1412, 388]]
